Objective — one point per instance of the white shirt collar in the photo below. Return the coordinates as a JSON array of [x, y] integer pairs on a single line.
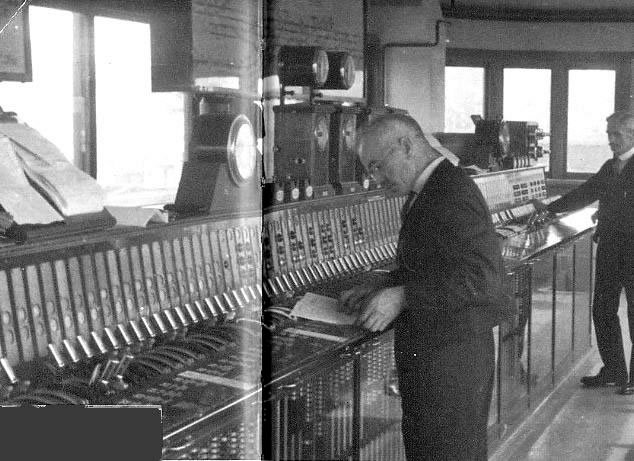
[[625, 156], [442, 150], [425, 174]]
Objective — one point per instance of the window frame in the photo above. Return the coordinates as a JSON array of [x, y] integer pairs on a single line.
[[85, 152], [482, 88], [559, 63]]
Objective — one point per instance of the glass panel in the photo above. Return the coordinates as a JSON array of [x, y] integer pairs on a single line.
[[590, 101], [527, 98], [583, 291], [380, 424], [494, 413], [46, 103], [514, 366], [464, 96], [563, 310], [140, 134], [540, 347]]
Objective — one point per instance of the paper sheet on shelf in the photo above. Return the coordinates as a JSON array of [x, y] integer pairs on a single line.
[[17, 196], [136, 216], [321, 308]]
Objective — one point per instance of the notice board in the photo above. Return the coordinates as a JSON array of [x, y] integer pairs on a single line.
[[15, 50]]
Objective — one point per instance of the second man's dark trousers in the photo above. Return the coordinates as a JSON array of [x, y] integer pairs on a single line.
[[614, 272]]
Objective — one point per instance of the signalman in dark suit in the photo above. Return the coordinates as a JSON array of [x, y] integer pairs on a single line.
[[613, 187], [444, 298]]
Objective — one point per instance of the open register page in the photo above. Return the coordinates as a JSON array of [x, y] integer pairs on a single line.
[[17, 197], [69, 189]]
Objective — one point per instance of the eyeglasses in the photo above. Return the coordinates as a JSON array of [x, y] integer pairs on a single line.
[[378, 165]]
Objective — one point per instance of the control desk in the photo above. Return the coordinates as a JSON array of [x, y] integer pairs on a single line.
[[195, 316], [333, 393]]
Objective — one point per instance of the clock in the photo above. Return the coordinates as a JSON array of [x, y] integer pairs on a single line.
[[242, 152], [222, 172]]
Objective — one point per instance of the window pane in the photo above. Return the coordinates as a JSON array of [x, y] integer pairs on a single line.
[[527, 99], [46, 103], [590, 101], [140, 134], [464, 96]]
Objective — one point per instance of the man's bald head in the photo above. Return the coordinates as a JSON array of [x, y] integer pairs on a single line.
[[391, 127], [394, 149], [395, 125]]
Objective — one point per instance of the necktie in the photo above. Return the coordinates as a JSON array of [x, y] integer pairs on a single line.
[[407, 205], [618, 165]]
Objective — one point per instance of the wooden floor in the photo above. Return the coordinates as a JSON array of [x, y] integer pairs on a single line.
[[576, 423]]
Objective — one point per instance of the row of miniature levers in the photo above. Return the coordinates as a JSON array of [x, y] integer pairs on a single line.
[[137, 353]]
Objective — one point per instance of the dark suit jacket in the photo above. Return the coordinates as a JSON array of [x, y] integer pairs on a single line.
[[615, 194], [450, 264]]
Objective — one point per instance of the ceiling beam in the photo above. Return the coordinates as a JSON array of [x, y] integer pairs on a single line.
[[538, 15]]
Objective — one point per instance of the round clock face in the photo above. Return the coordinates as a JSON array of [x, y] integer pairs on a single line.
[[241, 150], [347, 71], [504, 139], [349, 133], [320, 67], [321, 133]]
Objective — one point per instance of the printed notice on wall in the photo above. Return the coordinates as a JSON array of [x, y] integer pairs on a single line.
[[14, 60], [329, 24], [227, 43]]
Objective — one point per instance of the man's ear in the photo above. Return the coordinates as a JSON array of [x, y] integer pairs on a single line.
[[407, 145]]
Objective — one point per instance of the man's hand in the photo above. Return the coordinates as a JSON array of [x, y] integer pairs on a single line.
[[354, 300], [382, 309], [540, 216], [538, 204]]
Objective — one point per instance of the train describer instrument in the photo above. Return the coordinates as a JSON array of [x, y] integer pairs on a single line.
[[302, 147], [493, 137], [314, 141], [343, 164], [496, 144]]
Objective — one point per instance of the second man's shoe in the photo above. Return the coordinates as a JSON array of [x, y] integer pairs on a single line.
[[627, 388], [602, 379]]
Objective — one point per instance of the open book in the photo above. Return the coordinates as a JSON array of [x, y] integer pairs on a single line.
[[39, 185]]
